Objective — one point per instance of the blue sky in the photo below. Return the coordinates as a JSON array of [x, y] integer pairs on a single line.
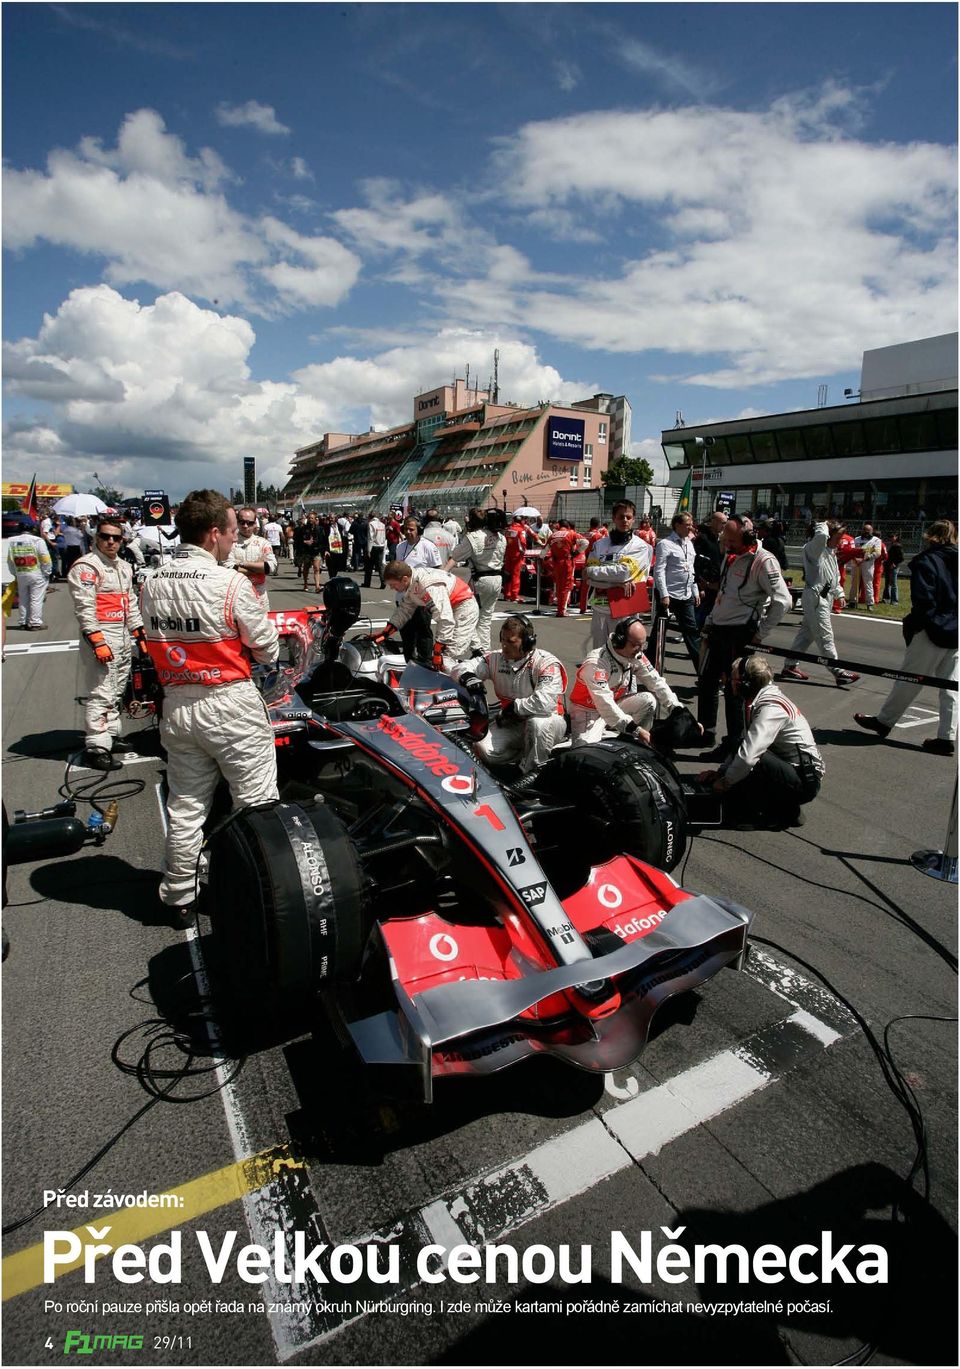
[[231, 228]]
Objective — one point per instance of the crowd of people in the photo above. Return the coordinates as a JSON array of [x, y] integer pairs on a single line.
[[201, 617]]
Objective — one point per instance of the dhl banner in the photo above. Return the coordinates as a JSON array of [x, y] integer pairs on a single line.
[[19, 488]]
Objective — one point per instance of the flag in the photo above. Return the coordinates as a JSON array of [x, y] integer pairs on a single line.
[[684, 504], [29, 505]]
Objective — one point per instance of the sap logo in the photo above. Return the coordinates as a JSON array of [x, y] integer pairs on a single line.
[[533, 894]]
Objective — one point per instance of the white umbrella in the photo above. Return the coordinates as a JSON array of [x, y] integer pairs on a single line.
[[80, 506], [527, 512]]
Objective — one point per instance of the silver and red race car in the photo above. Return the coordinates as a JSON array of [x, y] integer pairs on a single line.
[[450, 926]]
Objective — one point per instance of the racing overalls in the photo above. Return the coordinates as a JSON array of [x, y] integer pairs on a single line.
[[612, 691], [821, 585], [28, 556], [614, 570], [203, 621], [254, 548], [534, 685], [562, 547], [517, 535], [483, 551], [107, 610], [452, 608]]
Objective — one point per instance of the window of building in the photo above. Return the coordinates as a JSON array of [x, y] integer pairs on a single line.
[[574, 476], [764, 447], [602, 433], [848, 439], [818, 440], [918, 432], [790, 443], [947, 427], [588, 450], [738, 446], [882, 435]]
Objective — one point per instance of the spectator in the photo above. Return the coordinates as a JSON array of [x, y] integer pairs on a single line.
[[273, 532], [74, 544], [930, 632], [891, 570], [309, 546], [359, 533], [708, 562], [676, 583], [771, 540], [376, 550], [336, 545]]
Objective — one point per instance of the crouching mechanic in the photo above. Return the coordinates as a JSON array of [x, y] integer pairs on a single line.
[[453, 609], [777, 766], [618, 688], [203, 623], [529, 683], [101, 586]]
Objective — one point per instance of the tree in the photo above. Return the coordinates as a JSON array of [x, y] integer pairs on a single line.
[[628, 470]]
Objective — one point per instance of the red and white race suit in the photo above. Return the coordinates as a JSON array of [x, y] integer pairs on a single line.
[[562, 547], [453, 610], [203, 622], [102, 592], [254, 548], [483, 551], [518, 539], [534, 687], [612, 691]]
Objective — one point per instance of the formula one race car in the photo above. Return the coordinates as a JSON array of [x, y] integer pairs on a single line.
[[452, 927]]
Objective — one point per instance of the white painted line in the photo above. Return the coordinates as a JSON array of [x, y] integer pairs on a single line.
[[815, 1027], [38, 648], [263, 1208]]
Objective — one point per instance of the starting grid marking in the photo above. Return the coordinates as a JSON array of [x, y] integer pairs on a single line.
[[39, 648], [494, 1204]]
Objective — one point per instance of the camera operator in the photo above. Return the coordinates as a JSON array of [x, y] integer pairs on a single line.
[[203, 623], [777, 766]]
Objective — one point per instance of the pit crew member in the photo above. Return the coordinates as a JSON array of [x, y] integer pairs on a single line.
[[449, 601], [822, 579], [751, 599], [617, 688], [203, 623], [563, 545], [617, 565], [529, 682], [101, 586], [777, 766], [28, 556], [482, 548], [253, 555]]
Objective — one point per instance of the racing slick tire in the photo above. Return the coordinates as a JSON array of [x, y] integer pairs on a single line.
[[629, 801], [288, 907]]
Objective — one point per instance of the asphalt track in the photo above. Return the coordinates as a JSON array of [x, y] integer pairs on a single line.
[[758, 1114]]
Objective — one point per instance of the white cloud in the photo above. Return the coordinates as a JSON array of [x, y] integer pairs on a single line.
[[391, 223], [162, 395], [568, 75], [156, 216], [300, 169], [784, 243], [252, 114]]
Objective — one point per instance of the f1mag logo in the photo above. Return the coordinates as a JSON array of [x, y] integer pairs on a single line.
[[533, 894]]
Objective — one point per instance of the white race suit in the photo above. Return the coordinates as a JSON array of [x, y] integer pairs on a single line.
[[102, 591], [203, 623]]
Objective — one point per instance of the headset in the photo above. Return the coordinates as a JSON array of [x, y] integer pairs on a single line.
[[748, 689], [618, 637], [528, 636], [749, 536]]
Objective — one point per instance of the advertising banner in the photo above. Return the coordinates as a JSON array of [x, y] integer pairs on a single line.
[[156, 508], [250, 480], [565, 439], [18, 488]]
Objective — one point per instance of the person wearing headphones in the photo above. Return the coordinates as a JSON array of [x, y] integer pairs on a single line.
[[752, 597], [777, 766], [529, 682], [448, 600], [617, 688]]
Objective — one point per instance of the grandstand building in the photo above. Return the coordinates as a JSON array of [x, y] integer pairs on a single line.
[[889, 453], [462, 449]]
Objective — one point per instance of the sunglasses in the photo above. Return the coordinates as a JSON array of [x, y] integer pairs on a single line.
[[110, 536], [246, 522]]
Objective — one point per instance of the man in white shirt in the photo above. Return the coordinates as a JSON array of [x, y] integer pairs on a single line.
[[376, 549], [675, 582], [777, 765], [273, 532]]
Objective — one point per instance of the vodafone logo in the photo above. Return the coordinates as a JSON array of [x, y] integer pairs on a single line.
[[457, 784], [176, 656], [609, 895], [443, 947]]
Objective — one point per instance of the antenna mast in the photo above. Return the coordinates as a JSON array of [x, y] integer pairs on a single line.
[[496, 375]]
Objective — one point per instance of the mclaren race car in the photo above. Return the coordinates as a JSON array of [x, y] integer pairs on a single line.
[[450, 925]]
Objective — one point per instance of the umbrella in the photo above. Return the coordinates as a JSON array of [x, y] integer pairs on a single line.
[[527, 512], [80, 506]]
